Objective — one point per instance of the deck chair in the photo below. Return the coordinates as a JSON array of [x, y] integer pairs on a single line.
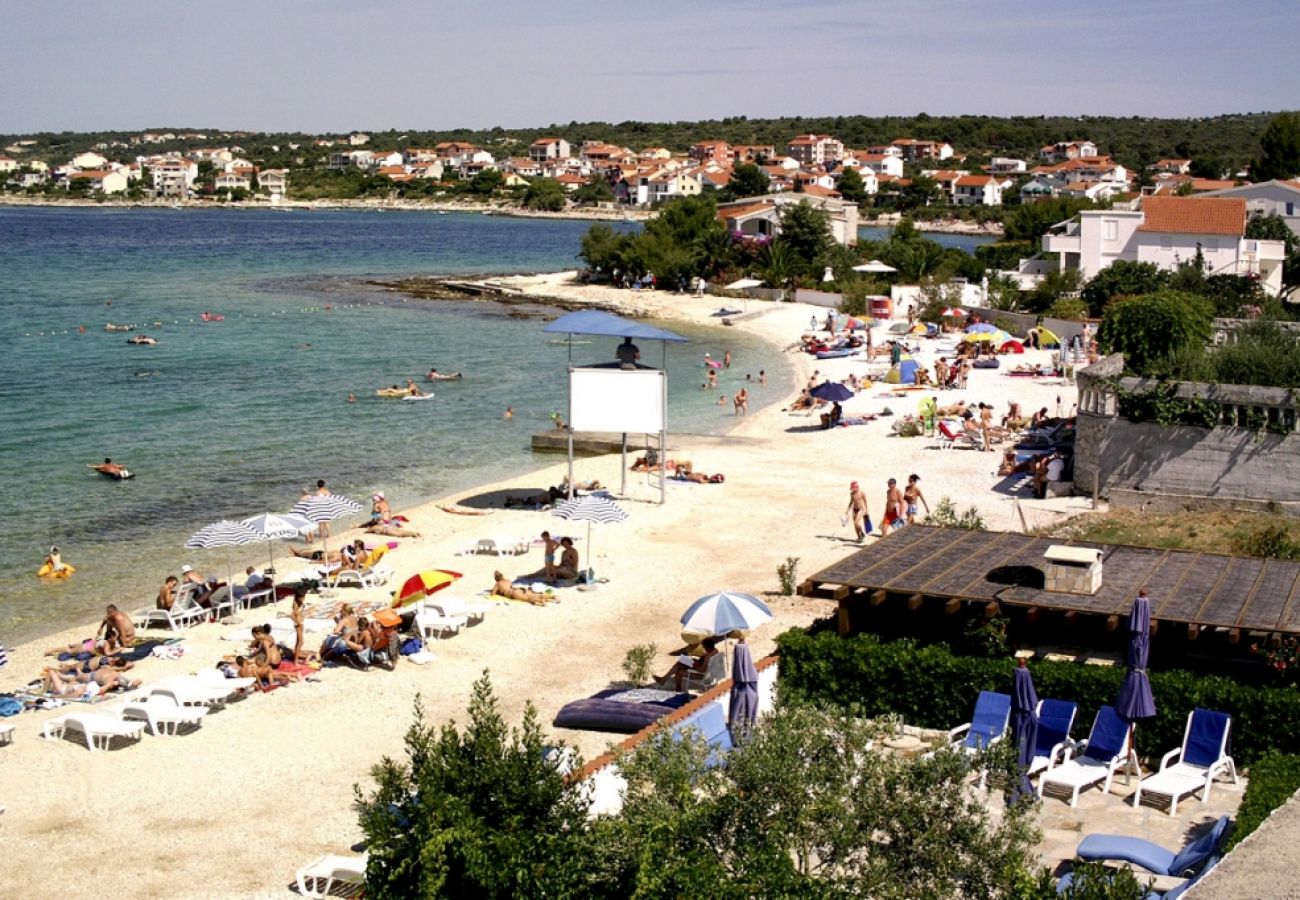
[[6, 734], [433, 624], [366, 576], [1202, 757], [99, 728], [950, 438], [1095, 760], [185, 611], [987, 726], [163, 714], [197, 690], [1066, 881], [1055, 719], [223, 602], [715, 671], [1190, 860], [451, 605], [320, 877]]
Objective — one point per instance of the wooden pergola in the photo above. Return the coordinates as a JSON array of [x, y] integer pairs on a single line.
[[953, 567]]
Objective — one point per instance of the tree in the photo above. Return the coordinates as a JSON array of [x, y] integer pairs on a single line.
[[806, 231], [545, 194], [478, 813], [1030, 221], [595, 191], [851, 186], [1122, 278], [747, 180], [1206, 167], [1279, 149], [1151, 329], [776, 264], [921, 192], [602, 247], [914, 259], [485, 182]]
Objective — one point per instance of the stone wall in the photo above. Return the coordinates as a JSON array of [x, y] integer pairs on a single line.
[[1144, 464]]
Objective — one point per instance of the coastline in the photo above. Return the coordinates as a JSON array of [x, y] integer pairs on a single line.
[[783, 495], [591, 214]]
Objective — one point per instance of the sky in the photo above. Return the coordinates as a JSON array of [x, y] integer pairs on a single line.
[[333, 66]]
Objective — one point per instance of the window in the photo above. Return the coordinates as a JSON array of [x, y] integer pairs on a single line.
[[1211, 245], [1110, 229], [1290, 208], [1166, 242]]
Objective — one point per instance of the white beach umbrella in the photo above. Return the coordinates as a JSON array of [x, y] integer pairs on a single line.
[[325, 508], [875, 266], [724, 612], [590, 508], [224, 534], [743, 284], [277, 526]]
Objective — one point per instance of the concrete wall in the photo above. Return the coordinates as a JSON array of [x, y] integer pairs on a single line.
[[1137, 463]]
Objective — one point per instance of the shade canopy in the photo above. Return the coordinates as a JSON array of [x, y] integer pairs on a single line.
[[724, 612], [222, 534], [874, 265], [603, 324], [325, 507], [270, 526], [982, 328], [1135, 701], [831, 391], [997, 338], [590, 508]]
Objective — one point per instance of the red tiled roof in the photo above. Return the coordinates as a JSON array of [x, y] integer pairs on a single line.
[[737, 212], [1194, 215], [975, 180]]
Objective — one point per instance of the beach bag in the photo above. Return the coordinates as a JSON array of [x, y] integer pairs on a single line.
[[867, 527], [10, 707], [412, 646]]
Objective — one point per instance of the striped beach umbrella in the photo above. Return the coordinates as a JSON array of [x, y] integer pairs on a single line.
[[724, 612], [590, 508], [320, 508], [277, 526], [224, 534]]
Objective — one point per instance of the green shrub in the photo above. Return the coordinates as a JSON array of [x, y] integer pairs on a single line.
[[1273, 780], [786, 572], [933, 687], [637, 663]]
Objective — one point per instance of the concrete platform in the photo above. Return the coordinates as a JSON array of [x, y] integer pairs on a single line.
[[596, 443]]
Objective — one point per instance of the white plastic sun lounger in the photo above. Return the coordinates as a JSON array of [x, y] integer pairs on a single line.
[[451, 605], [163, 714], [99, 729], [198, 690], [319, 877], [6, 734], [433, 624]]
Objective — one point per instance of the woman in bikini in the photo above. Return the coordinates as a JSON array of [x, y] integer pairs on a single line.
[[911, 496]]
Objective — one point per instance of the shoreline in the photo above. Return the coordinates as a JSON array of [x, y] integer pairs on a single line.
[[783, 495], [581, 214]]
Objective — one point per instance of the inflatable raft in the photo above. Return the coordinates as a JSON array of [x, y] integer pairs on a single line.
[[47, 571]]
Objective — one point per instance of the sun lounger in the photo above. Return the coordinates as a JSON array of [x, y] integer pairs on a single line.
[[1202, 757], [184, 612], [1055, 719], [99, 729], [987, 726], [1066, 881], [1095, 760], [6, 734], [320, 877], [364, 577], [950, 438], [199, 690], [1188, 861], [433, 624], [163, 713], [451, 605]]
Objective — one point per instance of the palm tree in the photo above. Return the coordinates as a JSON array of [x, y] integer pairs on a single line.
[[712, 251], [776, 264]]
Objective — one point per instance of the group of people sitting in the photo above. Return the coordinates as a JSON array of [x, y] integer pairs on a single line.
[[192, 589], [95, 665], [363, 642]]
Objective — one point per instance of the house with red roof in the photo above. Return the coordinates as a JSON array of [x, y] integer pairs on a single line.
[[977, 190], [545, 148], [719, 152], [1062, 151]]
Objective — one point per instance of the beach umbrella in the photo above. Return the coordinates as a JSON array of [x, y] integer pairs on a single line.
[[743, 284], [987, 337], [744, 688], [875, 266], [1012, 347], [1135, 701], [954, 312], [904, 372], [900, 328], [225, 534], [276, 526], [723, 612], [831, 391], [1024, 731], [981, 328], [590, 508], [422, 585], [320, 508]]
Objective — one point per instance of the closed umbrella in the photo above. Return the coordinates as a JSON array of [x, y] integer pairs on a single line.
[[1135, 701], [725, 611], [744, 688], [831, 391], [325, 508], [225, 534], [1024, 731], [590, 508]]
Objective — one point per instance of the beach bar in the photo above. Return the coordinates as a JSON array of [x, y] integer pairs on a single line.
[[948, 568]]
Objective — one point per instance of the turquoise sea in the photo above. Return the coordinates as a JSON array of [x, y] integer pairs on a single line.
[[227, 419]]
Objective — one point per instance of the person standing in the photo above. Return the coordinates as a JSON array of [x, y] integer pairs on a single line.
[[322, 491], [726, 360], [857, 509], [741, 402], [912, 495], [894, 508]]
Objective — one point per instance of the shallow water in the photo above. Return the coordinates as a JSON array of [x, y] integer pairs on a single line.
[[226, 419]]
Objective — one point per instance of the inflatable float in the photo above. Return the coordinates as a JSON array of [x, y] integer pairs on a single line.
[[413, 397], [392, 392], [119, 475], [48, 571], [453, 376]]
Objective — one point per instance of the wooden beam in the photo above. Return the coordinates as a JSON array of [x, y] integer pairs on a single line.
[[841, 591], [952, 606], [991, 609], [1032, 614], [1193, 632], [807, 588], [1112, 622], [842, 619], [914, 602], [878, 597]]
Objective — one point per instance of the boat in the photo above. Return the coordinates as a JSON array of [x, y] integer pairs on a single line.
[[48, 571], [412, 397]]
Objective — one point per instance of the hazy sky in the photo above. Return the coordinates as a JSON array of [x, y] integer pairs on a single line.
[[330, 65]]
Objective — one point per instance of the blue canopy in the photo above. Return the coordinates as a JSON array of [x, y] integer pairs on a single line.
[[603, 324]]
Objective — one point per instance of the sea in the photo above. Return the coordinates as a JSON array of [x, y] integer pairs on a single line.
[[235, 416]]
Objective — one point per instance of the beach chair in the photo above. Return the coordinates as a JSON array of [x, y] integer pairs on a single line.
[[6, 734], [223, 602], [185, 611], [199, 690], [1095, 760], [163, 714], [1055, 719], [432, 623], [365, 577], [451, 605], [1066, 881], [98, 728], [1202, 757], [715, 672], [1195, 857], [987, 726], [949, 438], [320, 877]]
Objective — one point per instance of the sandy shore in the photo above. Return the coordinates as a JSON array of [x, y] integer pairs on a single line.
[[266, 784]]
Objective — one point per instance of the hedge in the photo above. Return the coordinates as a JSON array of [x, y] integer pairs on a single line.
[[932, 687], [1274, 779]]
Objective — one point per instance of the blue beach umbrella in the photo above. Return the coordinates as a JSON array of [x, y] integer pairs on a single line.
[[723, 612], [831, 391], [1135, 701], [744, 688], [1024, 731], [981, 328]]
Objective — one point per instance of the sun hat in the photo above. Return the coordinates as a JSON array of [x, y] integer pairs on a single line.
[[853, 485], [186, 568]]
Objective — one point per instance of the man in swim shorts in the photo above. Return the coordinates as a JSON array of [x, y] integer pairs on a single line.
[[894, 508]]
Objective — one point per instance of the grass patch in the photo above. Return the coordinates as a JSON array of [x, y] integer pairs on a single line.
[[1206, 531]]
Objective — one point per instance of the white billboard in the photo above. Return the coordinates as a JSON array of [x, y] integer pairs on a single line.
[[634, 401]]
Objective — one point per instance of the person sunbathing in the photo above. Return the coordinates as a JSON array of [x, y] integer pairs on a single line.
[[503, 587], [389, 529], [333, 556], [87, 648], [955, 410], [544, 499], [649, 463], [267, 676], [680, 670], [832, 418], [592, 485], [87, 684]]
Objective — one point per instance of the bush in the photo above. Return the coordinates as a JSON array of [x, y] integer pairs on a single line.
[[1273, 781], [1152, 329], [932, 687], [945, 514], [786, 572], [636, 665]]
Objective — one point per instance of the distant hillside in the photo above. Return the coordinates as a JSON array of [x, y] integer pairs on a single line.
[[1133, 141]]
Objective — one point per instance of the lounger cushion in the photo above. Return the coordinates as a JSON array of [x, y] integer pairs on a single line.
[[1151, 856], [602, 713], [1205, 738]]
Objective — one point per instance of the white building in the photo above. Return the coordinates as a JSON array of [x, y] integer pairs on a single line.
[[882, 163], [1167, 231], [102, 181], [172, 177], [1279, 198], [761, 216], [977, 190], [232, 181], [1065, 150], [273, 182], [549, 148], [1006, 165], [88, 161], [814, 149], [7, 164]]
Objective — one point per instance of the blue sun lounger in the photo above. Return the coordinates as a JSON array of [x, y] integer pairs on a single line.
[[1185, 863]]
